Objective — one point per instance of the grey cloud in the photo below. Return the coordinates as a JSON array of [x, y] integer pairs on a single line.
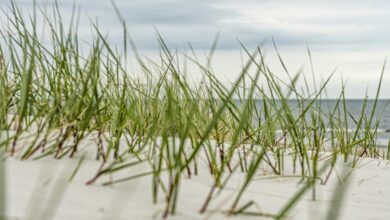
[[343, 23], [174, 13]]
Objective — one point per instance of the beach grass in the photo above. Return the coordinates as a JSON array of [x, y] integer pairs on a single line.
[[58, 91]]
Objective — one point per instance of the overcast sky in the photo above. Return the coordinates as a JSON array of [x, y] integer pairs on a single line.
[[350, 35]]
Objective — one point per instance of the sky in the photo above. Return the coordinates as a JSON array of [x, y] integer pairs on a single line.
[[349, 36]]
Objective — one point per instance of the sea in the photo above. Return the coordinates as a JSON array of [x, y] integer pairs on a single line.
[[354, 107]]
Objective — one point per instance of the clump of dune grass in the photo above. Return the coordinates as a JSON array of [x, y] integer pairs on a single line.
[[60, 91]]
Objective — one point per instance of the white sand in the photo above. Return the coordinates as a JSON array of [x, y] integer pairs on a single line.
[[33, 188]]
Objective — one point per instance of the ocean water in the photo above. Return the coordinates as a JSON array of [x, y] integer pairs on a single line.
[[355, 107]]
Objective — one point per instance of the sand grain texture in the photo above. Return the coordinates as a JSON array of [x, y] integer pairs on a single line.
[[41, 190]]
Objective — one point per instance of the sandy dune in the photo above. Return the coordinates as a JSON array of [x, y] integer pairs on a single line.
[[41, 189]]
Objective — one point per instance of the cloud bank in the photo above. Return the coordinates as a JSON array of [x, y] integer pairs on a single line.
[[345, 24]]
